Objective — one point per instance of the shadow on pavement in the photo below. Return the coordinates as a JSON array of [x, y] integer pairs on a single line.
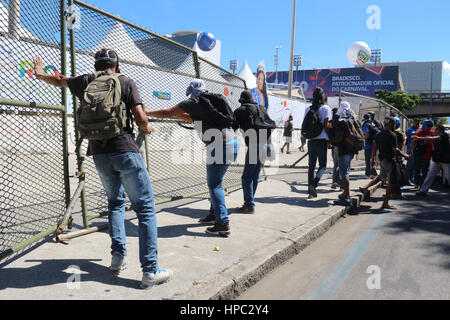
[[54, 271]]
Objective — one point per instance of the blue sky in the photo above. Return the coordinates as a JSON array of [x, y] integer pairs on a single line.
[[249, 30]]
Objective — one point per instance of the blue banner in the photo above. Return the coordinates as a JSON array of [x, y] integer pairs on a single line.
[[363, 80]]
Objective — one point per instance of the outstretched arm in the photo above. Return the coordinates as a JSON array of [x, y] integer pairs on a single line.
[[174, 112], [54, 80]]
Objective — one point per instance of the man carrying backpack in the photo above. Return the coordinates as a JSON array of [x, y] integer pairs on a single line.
[[344, 128], [370, 131], [421, 151], [287, 134], [257, 128], [213, 119], [314, 128], [386, 142], [106, 94], [440, 157]]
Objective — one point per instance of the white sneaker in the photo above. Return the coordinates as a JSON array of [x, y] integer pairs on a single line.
[[150, 279], [118, 263]]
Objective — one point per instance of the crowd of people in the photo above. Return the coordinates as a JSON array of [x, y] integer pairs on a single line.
[[111, 104], [427, 151]]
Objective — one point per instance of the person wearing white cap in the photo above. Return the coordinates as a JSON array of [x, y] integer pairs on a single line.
[[211, 114]]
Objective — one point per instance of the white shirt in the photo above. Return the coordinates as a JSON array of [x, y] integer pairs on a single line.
[[324, 113]]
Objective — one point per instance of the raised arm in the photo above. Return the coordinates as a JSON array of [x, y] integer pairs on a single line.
[[54, 80]]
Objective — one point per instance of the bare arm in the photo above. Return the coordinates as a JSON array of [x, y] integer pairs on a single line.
[[141, 119], [374, 152], [54, 80], [173, 112]]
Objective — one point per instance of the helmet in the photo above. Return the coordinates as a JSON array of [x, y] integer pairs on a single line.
[[397, 122]]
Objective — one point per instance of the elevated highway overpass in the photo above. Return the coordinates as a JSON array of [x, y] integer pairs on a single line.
[[437, 104]]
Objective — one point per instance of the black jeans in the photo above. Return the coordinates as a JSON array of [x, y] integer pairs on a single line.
[[421, 170], [317, 150]]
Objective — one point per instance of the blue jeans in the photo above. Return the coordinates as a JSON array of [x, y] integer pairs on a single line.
[[317, 150], [215, 174], [121, 172], [410, 164], [344, 165], [250, 176]]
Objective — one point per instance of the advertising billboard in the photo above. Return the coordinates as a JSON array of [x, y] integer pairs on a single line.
[[363, 80]]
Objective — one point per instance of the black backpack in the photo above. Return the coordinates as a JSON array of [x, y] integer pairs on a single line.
[[420, 148], [374, 129], [217, 112], [312, 124], [259, 119]]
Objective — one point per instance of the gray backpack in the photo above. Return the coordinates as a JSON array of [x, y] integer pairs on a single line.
[[102, 114]]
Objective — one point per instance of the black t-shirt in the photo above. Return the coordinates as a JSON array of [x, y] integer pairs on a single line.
[[193, 107], [386, 140], [124, 142], [441, 152], [288, 129]]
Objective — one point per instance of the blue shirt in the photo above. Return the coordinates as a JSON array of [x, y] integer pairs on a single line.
[[409, 133], [367, 145]]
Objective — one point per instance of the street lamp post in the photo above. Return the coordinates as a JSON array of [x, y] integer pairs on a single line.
[[276, 63], [292, 52], [431, 90], [298, 61], [233, 66]]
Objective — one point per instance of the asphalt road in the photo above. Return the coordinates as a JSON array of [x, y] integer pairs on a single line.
[[374, 255]]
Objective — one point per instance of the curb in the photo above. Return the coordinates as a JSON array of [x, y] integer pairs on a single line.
[[234, 280]]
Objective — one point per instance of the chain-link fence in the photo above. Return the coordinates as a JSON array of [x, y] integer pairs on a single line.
[[32, 174], [34, 180], [34, 159], [162, 70]]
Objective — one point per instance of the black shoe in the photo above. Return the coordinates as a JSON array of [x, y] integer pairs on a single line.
[[246, 209], [210, 218], [343, 202], [219, 229], [421, 193], [312, 192]]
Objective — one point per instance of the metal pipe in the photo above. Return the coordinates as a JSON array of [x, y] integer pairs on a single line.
[[70, 207], [75, 234], [27, 242], [75, 119], [64, 101], [30, 104], [292, 53], [14, 18]]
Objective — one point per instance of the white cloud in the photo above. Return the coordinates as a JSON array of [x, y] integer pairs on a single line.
[[446, 67]]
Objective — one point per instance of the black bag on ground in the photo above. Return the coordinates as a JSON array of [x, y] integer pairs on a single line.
[[399, 176], [312, 124]]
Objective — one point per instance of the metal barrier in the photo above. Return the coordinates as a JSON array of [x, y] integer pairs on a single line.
[[35, 191], [33, 180], [162, 70], [363, 104]]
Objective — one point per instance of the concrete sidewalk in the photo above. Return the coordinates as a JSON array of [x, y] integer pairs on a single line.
[[205, 266]]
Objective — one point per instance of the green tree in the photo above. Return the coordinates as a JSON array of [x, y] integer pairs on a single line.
[[398, 99]]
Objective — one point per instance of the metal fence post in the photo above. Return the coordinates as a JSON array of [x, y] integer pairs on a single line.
[[75, 120], [64, 101]]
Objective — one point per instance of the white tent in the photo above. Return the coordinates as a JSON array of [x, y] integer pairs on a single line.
[[246, 74], [119, 40], [4, 22]]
